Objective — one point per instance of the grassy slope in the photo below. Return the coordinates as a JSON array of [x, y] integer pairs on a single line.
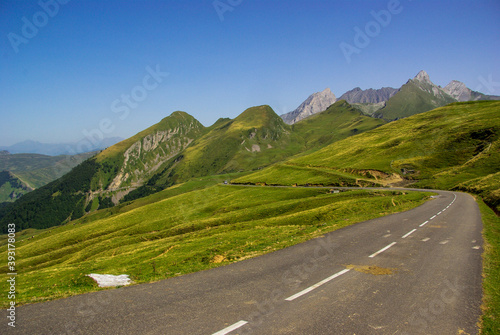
[[491, 271], [339, 121], [412, 98], [186, 233], [38, 170], [449, 147]]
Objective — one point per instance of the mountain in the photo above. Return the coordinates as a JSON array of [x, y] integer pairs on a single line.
[[176, 150], [461, 93], [56, 149], [315, 103], [372, 96], [455, 147], [418, 95]]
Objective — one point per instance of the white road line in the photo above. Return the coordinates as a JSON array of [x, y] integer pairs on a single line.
[[439, 213], [231, 328], [423, 224], [432, 217], [382, 250], [309, 289], [444, 242], [408, 234], [426, 239]]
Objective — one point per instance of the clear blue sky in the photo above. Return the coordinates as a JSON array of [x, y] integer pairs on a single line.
[[71, 73]]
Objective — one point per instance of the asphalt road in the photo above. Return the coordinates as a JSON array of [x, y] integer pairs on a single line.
[[417, 272]]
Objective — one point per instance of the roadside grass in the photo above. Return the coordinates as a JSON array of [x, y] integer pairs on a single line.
[[186, 233], [287, 174], [490, 324]]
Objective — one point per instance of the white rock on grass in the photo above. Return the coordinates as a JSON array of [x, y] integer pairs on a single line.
[[110, 280]]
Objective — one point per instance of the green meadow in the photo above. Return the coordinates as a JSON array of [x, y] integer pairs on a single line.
[[175, 234]]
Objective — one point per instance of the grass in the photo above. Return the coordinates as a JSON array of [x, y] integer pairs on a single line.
[[490, 321], [185, 233]]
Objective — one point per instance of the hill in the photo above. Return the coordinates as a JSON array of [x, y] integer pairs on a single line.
[[12, 187], [452, 147], [255, 139], [176, 150], [101, 181]]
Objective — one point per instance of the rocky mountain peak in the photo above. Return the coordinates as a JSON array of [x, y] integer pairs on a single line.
[[458, 90], [315, 103], [423, 77]]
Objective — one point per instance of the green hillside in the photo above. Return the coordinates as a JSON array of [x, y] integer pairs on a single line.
[[452, 147], [184, 233], [255, 139], [414, 97], [12, 187], [339, 121], [99, 181]]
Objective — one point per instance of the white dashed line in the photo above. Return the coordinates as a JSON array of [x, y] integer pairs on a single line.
[[408, 234], [444, 242], [382, 250], [309, 289], [231, 328], [425, 239], [423, 224], [432, 217]]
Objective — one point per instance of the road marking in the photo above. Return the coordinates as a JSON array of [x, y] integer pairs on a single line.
[[382, 250], [476, 247], [408, 234], [423, 224], [439, 213], [426, 239], [444, 242], [387, 235], [231, 328], [309, 289], [432, 217]]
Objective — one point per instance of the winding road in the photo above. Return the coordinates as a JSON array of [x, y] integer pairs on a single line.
[[416, 272]]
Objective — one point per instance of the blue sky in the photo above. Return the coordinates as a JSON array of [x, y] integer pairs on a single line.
[[118, 67]]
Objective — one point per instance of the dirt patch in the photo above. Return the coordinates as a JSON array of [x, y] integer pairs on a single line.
[[218, 259], [371, 269]]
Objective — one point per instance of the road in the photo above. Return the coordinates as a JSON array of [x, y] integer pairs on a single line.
[[417, 272]]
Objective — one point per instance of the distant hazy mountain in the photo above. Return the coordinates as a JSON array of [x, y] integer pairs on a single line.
[[373, 96], [316, 103], [459, 91], [56, 149], [418, 95]]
